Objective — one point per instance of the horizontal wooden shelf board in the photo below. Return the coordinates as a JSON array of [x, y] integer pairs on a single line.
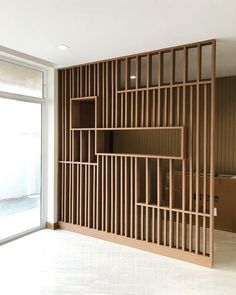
[[174, 85], [139, 156], [143, 128], [142, 245], [82, 129], [173, 209], [78, 163], [85, 98]]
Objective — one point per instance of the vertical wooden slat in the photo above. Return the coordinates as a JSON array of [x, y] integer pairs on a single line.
[[153, 108], [185, 67], [103, 192], [116, 98], [136, 109], [177, 230], [126, 197], [103, 96], [112, 93], [171, 200], [153, 225], [77, 194], [159, 90], [112, 194], [107, 95], [159, 192], [212, 151], [116, 196], [62, 143], [165, 106], [197, 150], [171, 229], [142, 108], [89, 194], [147, 109], [131, 198], [73, 195], [142, 233], [94, 196], [147, 195], [86, 195], [80, 194], [132, 109], [165, 228], [98, 203], [65, 150], [62, 191], [121, 197], [177, 109], [107, 193], [136, 196], [205, 151], [126, 111], [125, 95], [121, 110], [190, 167]]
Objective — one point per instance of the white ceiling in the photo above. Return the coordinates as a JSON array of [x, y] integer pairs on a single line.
[[99, 29]]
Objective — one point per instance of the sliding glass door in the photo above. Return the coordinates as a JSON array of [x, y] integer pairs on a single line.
[[20, 150]]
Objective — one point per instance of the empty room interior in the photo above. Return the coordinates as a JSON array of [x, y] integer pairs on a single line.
[[118, 147]]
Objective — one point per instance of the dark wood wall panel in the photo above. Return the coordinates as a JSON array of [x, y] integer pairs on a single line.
[[127, 127], [225, 125]]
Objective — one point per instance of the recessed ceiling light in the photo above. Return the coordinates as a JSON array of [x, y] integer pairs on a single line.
[[63, 47], [132, 77]]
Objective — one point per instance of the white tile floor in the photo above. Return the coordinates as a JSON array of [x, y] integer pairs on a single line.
[[59, 262]]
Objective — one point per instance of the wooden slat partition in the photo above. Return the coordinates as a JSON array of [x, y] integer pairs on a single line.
[[133, 196]]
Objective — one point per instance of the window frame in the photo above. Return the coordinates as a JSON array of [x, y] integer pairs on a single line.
[[41, 101]]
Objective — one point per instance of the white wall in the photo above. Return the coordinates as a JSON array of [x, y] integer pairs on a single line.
[[50, 167]]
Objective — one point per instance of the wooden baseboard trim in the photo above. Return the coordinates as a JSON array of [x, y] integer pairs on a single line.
[[52, 226], [142, 245]]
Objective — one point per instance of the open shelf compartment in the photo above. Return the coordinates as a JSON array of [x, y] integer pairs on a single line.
[[137, 142], [83, 113]]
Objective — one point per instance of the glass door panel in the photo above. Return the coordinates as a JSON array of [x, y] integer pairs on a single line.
[[20, 167]]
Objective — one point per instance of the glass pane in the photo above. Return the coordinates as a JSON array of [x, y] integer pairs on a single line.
[[20, 80], [20, 169]]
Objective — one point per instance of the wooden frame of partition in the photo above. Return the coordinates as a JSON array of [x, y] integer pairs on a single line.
[[130, 198]]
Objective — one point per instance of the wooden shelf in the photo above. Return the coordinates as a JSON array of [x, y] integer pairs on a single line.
[[82, 113], [138, 142], [139, 156], [81, 129], [85, 98], [77, 163], [121, 140], [143, 128]]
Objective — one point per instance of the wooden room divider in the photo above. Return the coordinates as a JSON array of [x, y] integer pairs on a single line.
[[135, 135]]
